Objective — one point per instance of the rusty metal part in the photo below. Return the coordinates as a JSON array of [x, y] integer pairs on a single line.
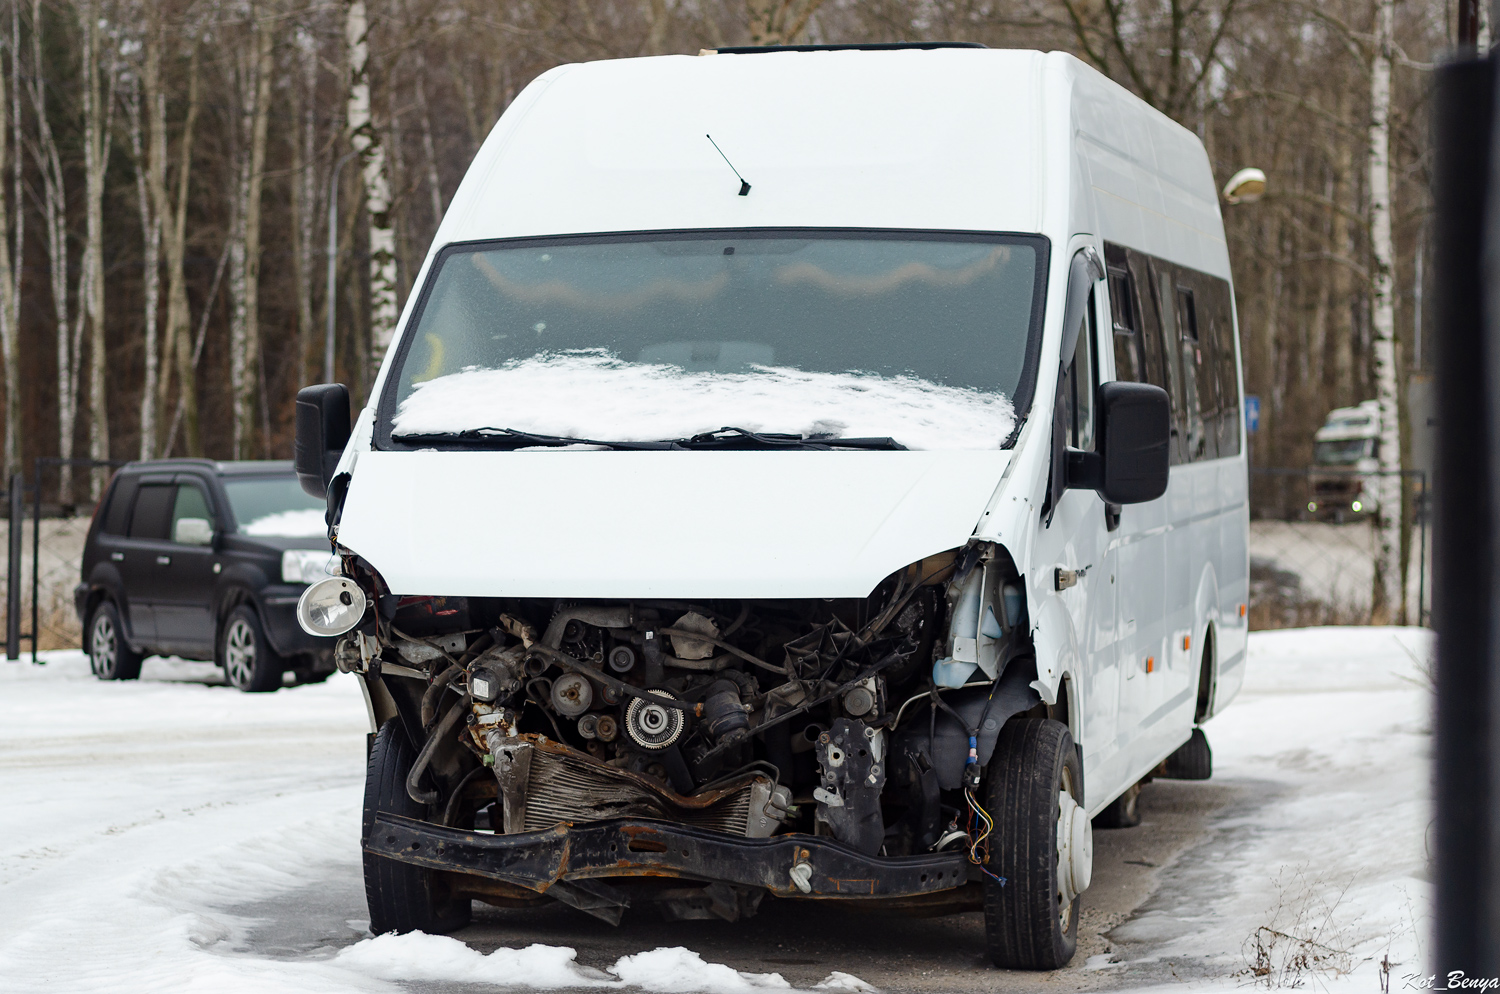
[[520, 629], [582, 854], [542, 782]]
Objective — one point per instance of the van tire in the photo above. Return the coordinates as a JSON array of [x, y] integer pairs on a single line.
[[1193, 761], [1025, 926], [1123, 812], [250, 664], [110, 654], [401, 897]]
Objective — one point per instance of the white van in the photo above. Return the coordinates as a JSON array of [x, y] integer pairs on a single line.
[[815, 473]]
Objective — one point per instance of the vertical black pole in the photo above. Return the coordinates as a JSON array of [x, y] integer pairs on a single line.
[[17, 495], [1423, 511], [36, 559], [1463, 535]]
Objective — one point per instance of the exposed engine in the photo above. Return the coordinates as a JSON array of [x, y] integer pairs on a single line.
[[747, 717]]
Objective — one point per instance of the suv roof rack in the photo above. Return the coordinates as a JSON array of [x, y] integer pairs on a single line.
[[880, 46]]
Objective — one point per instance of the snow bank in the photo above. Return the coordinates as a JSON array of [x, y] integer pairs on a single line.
[[1331, 734], [594, 395]]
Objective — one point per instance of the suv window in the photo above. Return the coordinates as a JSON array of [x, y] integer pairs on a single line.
[[190, 503], [117, 517], [153, 509]]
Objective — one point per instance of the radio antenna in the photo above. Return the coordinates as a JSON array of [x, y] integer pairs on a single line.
[[744, 186]]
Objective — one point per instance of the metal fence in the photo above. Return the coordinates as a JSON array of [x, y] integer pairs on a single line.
[[1314, 546], [45, 527]]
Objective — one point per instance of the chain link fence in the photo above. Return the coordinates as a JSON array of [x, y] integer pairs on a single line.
[[1314, 543], [46, 522]]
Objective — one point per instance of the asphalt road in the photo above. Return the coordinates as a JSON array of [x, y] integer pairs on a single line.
[[805, 941]]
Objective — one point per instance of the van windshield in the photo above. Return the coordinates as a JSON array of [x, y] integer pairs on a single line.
[[921, 340]]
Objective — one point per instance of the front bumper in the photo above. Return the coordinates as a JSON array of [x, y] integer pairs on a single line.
[[568, 858]]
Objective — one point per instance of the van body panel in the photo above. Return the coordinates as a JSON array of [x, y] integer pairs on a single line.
[[660, 524]]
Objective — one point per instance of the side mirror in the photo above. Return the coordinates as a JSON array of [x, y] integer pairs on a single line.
[[323, 427], [193, 531], [1134, 434]]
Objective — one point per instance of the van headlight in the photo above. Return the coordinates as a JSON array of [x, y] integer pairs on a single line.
[[331, 606], [307, 565]]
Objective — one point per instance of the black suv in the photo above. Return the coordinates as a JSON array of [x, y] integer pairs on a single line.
[[205, 560]]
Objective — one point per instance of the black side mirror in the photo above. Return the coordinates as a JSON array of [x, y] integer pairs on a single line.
[[1134, 435], [323, 427]]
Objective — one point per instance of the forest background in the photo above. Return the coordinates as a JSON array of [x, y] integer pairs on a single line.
[[167, 169]]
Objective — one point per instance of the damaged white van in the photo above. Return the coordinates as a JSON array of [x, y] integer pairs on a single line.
[[798, 474]]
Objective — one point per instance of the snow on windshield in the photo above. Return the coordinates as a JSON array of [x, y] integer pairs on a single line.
[[591, 394], [288, 524]]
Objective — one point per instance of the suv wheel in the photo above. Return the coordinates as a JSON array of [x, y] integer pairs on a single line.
[[250, 664], [1041, 848], [110, 656]]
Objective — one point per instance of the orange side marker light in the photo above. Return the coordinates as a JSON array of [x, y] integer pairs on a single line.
[[1150, 663], [1187, 642], [1242, 610]]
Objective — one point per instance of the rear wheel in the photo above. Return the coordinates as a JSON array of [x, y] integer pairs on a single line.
[[1042, 847], [1123, 812], [250, 664], [402, 897], [110, 656]]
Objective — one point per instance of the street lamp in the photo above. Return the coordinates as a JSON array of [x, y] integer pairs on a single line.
[[1246, 186], [333, 253]]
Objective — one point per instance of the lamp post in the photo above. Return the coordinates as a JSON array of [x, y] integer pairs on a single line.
[[333, 256]]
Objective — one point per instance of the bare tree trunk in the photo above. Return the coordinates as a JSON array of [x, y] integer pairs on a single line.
[[244, 331], [178, 345], [55, 223], [10, 278], [1388, 600], [146, 164], [779, 22], [365, 139], [98, 114], [304, 200]]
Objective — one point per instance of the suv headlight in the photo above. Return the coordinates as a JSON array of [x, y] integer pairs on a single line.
[[308, 565]]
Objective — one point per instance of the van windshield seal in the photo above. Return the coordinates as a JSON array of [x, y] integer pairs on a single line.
[[722, 339]]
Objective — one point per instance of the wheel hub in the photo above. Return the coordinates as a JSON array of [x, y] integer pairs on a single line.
[[1075, 849]]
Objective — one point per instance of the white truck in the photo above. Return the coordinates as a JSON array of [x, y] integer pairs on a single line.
[[1345, 449], [812, 473]]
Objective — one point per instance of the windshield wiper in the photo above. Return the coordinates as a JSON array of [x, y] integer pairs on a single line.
[[743, 438], [503, 439]]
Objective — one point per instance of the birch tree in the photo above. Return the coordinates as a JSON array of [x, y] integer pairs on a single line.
[[304, 189], [98, 112], [364, 137], [244, 282], [151, 272], [1389, 590], [53, 197], [10, 270], [177, 342]]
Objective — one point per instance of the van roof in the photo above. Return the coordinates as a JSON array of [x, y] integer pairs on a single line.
[[930, 139]]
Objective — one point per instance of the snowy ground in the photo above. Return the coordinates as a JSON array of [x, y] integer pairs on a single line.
[[158, 836]]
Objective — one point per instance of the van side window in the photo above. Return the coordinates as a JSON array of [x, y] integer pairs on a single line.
[[1078, 392], [153, 509], [1198, 410], [1129, 363], [1217, 312]]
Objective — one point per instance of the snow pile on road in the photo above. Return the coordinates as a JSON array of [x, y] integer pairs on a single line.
[[1325, 874], [595, 395]]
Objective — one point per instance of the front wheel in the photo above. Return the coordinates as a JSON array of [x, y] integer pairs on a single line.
[[401, 897], [110, 656], [1041, 854], [250, 664]]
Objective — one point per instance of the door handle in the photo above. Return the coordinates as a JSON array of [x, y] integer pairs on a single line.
[[117, 557], [163, 560]]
